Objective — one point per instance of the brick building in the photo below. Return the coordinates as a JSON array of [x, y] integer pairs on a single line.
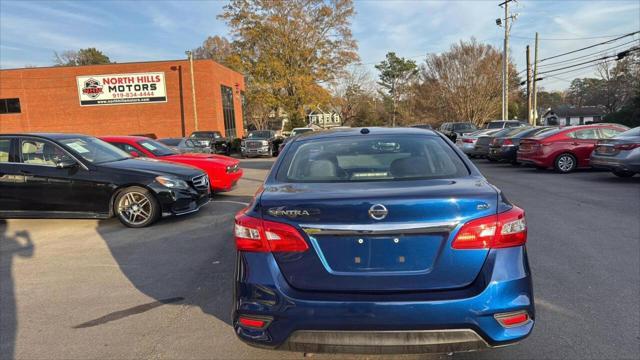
[[121, 99]]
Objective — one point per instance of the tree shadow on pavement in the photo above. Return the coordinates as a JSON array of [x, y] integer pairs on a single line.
[[18, 244]]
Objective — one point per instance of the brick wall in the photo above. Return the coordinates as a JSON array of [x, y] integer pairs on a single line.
[[49, 100]]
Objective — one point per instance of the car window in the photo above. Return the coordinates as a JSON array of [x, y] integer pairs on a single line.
[[607, 133], [586, 134], [37, 152], [156, 148], [94, 150], [128, 148], [379, 158], [5, 147], [495, 125]]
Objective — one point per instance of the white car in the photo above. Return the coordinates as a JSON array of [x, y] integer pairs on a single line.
[[467, 141]]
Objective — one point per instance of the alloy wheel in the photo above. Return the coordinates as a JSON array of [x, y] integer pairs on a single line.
[[565, 163], [135, 208]]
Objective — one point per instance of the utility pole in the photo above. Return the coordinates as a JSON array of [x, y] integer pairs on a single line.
[[535, 82], [529, 112], [193, 90], [505, 58]]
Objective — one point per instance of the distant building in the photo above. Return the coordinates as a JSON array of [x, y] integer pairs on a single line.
[[324, 119], [568, 115], [153, 97]]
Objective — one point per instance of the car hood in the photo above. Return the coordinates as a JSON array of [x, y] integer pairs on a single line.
[[153, 167], [200, 157]]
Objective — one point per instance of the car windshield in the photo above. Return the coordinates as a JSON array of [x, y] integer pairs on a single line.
[[156, 148], [464, 126], [300, 131], [170, 141], [94, 150], [259, 135], [377, 158], [495, 125], [206, 134]]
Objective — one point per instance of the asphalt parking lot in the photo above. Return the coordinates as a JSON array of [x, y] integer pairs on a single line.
[[78, 289]]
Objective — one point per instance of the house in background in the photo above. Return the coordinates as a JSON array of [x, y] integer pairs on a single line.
[[569, 115], [324, 119]]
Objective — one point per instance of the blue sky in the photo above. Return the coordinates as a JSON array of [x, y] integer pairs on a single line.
[[30, 31]]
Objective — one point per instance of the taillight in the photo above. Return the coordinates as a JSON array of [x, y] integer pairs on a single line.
[[468, 141], [507, 142], [626, 146], [506, 229], [256, 235]]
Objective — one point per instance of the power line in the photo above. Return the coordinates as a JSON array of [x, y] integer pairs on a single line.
[[591, 46], [568, 39], [597, 53], [619, 56]]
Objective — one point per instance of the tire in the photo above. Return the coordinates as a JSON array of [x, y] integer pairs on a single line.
[[623, 174], [136, 207], [565, 163]]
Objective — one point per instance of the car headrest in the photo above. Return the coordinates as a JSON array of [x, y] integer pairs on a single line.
[[414, 166], [322, 169], [29, 148]]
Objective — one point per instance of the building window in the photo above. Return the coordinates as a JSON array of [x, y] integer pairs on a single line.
[[228, 111], [9, 106]]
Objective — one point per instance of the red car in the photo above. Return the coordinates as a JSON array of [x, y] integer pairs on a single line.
[[224, 172], [565, 148]]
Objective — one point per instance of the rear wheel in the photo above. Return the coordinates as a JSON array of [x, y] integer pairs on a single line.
[[622, 173], [136, 207], [565, 163]]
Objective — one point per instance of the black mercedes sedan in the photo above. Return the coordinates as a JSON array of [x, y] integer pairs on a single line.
[[79, 176]]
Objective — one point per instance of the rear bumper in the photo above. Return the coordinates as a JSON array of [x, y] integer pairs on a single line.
[[621, 162], [384, 323], [503, 153], [530, 159], [385, 342]]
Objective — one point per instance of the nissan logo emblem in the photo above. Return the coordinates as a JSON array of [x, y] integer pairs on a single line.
[[378, 212]]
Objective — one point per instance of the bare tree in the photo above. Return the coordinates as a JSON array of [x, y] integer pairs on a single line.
[[618, 82], [463, 84], [352, 92]]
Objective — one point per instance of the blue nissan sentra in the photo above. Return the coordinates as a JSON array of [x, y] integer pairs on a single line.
[[380, 241]]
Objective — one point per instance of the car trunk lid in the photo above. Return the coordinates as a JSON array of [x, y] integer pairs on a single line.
[[408, 250]]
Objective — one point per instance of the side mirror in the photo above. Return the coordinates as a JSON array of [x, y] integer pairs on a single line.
[[66, 164], [134, 153]]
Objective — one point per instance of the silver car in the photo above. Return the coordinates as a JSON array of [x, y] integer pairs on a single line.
[[620, 154], [467, 141]]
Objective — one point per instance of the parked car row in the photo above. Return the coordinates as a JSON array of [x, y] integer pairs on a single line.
[[603, 145], [136, 179]]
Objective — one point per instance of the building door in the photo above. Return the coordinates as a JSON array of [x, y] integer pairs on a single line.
[[228, 112]]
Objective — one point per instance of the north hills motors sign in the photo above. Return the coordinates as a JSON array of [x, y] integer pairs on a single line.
[[116, 89]]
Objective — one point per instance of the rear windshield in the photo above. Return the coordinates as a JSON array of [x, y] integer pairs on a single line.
[[495, 125], [633, 132], [464, 126], [545, 134], [371, 158]]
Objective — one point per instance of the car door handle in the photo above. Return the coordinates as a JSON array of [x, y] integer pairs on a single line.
[[575, 143]]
